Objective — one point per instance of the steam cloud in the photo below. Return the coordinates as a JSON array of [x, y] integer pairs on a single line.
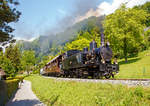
[[108, 8], [82, 9]]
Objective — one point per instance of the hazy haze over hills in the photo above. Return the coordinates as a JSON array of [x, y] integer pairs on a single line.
[[43, 44]]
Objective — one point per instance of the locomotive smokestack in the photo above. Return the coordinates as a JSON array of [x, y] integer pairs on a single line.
[[102, 39]]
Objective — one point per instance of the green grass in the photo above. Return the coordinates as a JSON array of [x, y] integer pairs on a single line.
[[138, 67], [71, 93]]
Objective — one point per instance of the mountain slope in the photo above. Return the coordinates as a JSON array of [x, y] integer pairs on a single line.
[[44, 44]]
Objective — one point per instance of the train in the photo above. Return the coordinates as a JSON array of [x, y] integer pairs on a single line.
[[94, 63]]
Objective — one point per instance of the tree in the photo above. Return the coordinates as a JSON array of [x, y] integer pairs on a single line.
[[90, 34], [6, 65], [10, 60], [145, 7], [147, 38], [8, 14], [83, 39], [14, 55], [124, 29], [28, 60], [78, 44]]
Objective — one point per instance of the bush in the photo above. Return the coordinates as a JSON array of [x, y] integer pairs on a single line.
[[7, 88], [17, 77], [9, 78], [20, 78], [36, 72], [3, 93], [12, 86]]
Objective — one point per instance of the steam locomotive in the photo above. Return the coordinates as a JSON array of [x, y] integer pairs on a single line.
[[95, 63]]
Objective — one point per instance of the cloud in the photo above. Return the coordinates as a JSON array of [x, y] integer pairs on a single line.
[[106, 8], [132, 3], [79, 8], [110, 8], [30, 40], [90, 13], [23, 31]]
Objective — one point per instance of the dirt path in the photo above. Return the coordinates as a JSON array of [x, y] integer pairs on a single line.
[[25, 97]]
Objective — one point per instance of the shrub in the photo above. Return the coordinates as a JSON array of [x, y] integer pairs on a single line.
[[12, 86], [7, 88], [9, 78], [17, 77], [3, 93], [20, 78]]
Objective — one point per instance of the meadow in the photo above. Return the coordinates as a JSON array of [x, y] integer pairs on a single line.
[[71, 93], [61, 93], [137, 67]]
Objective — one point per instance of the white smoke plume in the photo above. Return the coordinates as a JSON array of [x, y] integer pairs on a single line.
[[106, 8]]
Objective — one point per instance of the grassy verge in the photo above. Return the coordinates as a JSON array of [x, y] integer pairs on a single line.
[[138, 67], [61, 93]]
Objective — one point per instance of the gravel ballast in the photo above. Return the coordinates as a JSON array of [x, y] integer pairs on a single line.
[[145, 83]]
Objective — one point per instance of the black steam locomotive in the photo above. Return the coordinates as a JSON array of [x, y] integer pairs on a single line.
[[95, 63]]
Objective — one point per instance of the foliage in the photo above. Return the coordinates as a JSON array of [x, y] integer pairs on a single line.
[[124, 29], [20, 78], [78, 44], [42, 63], [28, 60], [9, 87], [3, 93], [71, 93], [14, 55], [6, 65], [145, 7], [12, 86], [83, 39], [10, 61], [147, 38], [8, 14]]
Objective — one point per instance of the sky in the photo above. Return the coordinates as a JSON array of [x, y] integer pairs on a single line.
[[45, 17]]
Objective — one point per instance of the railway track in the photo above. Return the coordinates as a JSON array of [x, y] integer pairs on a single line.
[[128, 82]]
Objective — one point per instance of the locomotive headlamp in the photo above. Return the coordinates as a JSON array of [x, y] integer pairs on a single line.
[[103, 61], [115, 61]]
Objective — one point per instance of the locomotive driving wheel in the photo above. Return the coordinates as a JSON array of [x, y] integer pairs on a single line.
[[107, 76]]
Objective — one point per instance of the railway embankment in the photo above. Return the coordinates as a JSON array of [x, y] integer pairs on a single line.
[[128, 82]]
